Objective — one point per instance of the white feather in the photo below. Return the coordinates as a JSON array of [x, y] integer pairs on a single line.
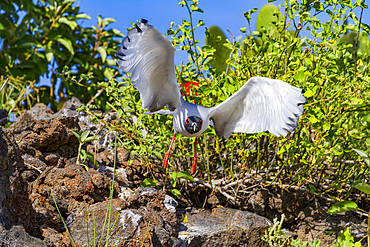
[[262, 104], [149, 57]]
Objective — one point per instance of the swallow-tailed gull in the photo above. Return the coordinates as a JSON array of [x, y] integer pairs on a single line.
[[262, 104]]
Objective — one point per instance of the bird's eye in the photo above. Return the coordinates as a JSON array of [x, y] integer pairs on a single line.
[[187, 121], [201, 122]]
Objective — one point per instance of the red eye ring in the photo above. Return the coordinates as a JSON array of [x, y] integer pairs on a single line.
[[187, 121], [201, 122]]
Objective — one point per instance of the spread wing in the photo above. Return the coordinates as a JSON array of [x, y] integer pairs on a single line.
[[149, 57], [262, 104]]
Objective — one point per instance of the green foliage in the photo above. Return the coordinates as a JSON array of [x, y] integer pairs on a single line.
[[269, 18], [276, 236], [83, 137], [149, 182], [363, 155], [336, 113], [363, 187], [174, 176], [341, 207], [346, 240], [216, 39], [44, 41]]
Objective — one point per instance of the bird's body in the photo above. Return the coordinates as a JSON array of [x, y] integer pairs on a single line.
[[261, 104], [185, 111]]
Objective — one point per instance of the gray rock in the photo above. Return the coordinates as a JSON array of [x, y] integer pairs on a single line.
[[223, 227], [170, 203], [40, 111]]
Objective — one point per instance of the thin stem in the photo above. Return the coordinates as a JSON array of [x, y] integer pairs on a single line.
[[358, 34], [111, 189], [61, 217], [3, 86]]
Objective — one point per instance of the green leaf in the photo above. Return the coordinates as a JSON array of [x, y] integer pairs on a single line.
[[72, 24], [345, 239], [103, 53], [267, 17], [84, 135], [77, 134], [83, 155], [176, 192], [341, 207], [67, 44], [91, 138], [216, 38], [185, 175], [195, 8], [83, 16], [313, 188], [173, 176], [106, 21], [48, 53], [364, 187], [92, 159], [363, 155], [149, 182]]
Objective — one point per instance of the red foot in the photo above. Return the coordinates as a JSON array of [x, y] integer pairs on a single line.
[[194, 166], [165, 161]]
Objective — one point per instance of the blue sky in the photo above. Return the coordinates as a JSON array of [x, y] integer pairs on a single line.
[[160, 13]]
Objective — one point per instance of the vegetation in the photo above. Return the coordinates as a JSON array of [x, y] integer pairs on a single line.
[[331, 63]]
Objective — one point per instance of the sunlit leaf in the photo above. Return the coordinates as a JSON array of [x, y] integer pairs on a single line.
[[363, 155], [364, 187], [185, 175], [84, 135], [176, 192], [341, 207], [67, 44], [103, 53], [149, 182], [77, 134]]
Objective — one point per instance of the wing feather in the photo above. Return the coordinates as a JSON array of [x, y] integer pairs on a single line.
[[149, 57], [262, 104]]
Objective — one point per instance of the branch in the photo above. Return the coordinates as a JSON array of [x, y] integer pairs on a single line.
[[3, 86], [231, 53], [358, 34]]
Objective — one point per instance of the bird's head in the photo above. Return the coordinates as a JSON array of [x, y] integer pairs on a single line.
[[193, 124]]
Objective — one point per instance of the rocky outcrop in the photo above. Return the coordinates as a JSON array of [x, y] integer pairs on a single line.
[[39, 175], [17, 216], [223, 227]]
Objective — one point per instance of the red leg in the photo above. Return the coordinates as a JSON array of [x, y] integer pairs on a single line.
[[165, 161], [194, 166]]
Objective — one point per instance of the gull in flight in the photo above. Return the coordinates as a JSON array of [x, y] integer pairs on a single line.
[[262, 104]]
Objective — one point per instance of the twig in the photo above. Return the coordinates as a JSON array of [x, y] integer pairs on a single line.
[[218, 189], [343, 161], [34, 167], [2, 87], [231, 53], [356, 44]]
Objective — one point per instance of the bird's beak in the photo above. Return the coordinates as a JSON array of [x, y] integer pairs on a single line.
[[194, 127]]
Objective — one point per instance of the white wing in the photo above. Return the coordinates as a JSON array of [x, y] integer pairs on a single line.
[[149, 57], [262, 104]]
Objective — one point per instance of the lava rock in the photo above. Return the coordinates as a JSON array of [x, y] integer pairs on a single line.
[[223, 227], [17, 217]]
